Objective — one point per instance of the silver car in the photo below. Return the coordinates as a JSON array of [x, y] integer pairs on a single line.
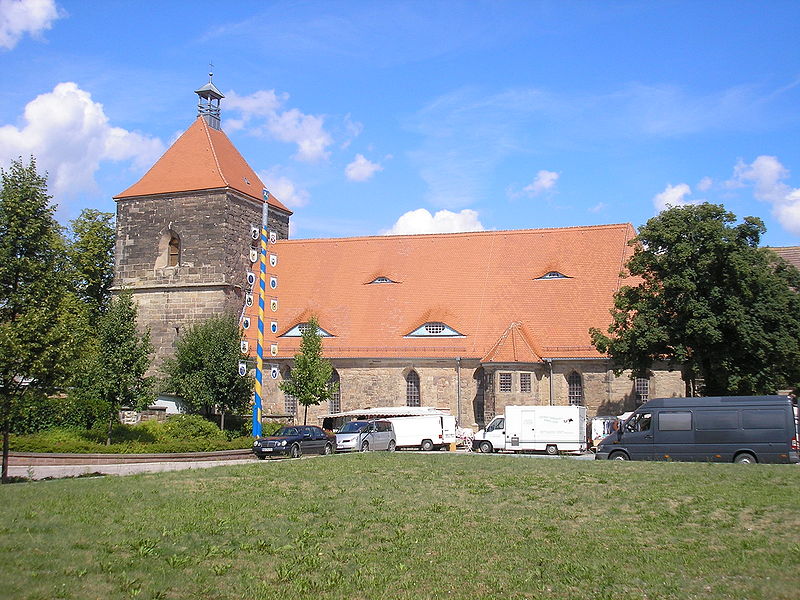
[[362, 436]]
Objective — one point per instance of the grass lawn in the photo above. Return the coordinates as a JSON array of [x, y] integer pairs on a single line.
[[408, 525]]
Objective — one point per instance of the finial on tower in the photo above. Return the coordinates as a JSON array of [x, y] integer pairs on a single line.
[[208, 106]]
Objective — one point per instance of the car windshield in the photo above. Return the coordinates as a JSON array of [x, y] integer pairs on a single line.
[[286, 431], [354, 427]]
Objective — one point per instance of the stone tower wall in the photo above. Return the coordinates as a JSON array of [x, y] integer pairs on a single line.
[[210, 278]]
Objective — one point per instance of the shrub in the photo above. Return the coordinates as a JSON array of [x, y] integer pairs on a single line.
[[38, 412], [180, 433], [191, 427]]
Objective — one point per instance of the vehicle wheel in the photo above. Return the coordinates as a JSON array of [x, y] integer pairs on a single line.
[[485, 447], [328, 450], [365, 446], [259, 457], [295, 451], [618, 456], [427, 445], [745, 458], [392, 446], [551, 449]]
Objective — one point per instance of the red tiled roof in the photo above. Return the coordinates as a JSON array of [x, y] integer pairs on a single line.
[[203, 158], [483, 285], [790, 254]]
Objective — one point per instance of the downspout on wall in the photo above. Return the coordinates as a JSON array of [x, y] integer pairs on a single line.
[[549, 362], [458, 391]]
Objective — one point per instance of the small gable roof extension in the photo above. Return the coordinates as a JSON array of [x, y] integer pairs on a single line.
[[202, 158], [483, 285]]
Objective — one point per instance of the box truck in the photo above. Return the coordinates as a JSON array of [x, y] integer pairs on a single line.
[[740, 429], [429, 432], [550, 429]]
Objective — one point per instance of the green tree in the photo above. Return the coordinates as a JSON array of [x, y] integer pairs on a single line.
[[310, 377], [708, 301], [91, 258], [204, 372], [42, 326], [116, 366]]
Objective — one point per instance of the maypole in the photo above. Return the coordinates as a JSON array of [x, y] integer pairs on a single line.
[[262, 287]]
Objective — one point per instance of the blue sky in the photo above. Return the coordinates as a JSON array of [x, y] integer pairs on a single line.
[[407, 117]]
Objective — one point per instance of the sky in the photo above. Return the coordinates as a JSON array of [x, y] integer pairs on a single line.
[[372, 118]]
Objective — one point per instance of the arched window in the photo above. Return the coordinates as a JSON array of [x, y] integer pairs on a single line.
[[412, 389], [335, 404], [174, 257], [575, 389]]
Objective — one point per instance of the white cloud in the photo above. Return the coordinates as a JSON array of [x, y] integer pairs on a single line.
[[599, 207], [361, 169], [444, 221], [69, 134], [284, 189], [352, 130], [545, 180], [673, 195], [18, 17], [705, 184], [766, 174], [261, 112]]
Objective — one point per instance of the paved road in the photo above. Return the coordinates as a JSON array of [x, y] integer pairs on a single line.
[[58, 471]]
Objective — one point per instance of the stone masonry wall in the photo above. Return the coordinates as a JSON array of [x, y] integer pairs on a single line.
[[382, 383], [210, 278], [169, 312]]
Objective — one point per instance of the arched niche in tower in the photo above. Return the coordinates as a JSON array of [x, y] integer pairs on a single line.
[[169, 250]]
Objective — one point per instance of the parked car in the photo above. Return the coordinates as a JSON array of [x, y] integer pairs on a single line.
[[362, 436], [294, 441]]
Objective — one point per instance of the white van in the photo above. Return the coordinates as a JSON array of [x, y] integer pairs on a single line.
[[551, 429], [424, 432]]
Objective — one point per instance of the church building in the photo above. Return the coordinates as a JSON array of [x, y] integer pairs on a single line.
[[468, 322]]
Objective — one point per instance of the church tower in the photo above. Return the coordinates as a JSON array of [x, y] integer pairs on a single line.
[[183, 230]]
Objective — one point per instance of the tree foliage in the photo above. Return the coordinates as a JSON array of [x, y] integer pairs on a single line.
[[42, 325], [91, 259], [710, 302], [116, 365], [204, 372], [310, 377]]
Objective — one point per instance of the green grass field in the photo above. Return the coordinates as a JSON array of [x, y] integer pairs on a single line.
[[408, 525]]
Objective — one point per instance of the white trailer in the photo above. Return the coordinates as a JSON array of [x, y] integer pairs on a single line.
[[550, 429], [425, 432]]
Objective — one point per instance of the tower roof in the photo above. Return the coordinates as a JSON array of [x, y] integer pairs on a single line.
[[209, 90], [203, 158]]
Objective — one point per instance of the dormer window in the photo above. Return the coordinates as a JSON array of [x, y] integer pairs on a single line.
[[382, 280], [435, 329], [553, 275], [299, 329]]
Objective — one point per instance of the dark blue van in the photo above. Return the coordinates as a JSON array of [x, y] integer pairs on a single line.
[[742, 429]]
